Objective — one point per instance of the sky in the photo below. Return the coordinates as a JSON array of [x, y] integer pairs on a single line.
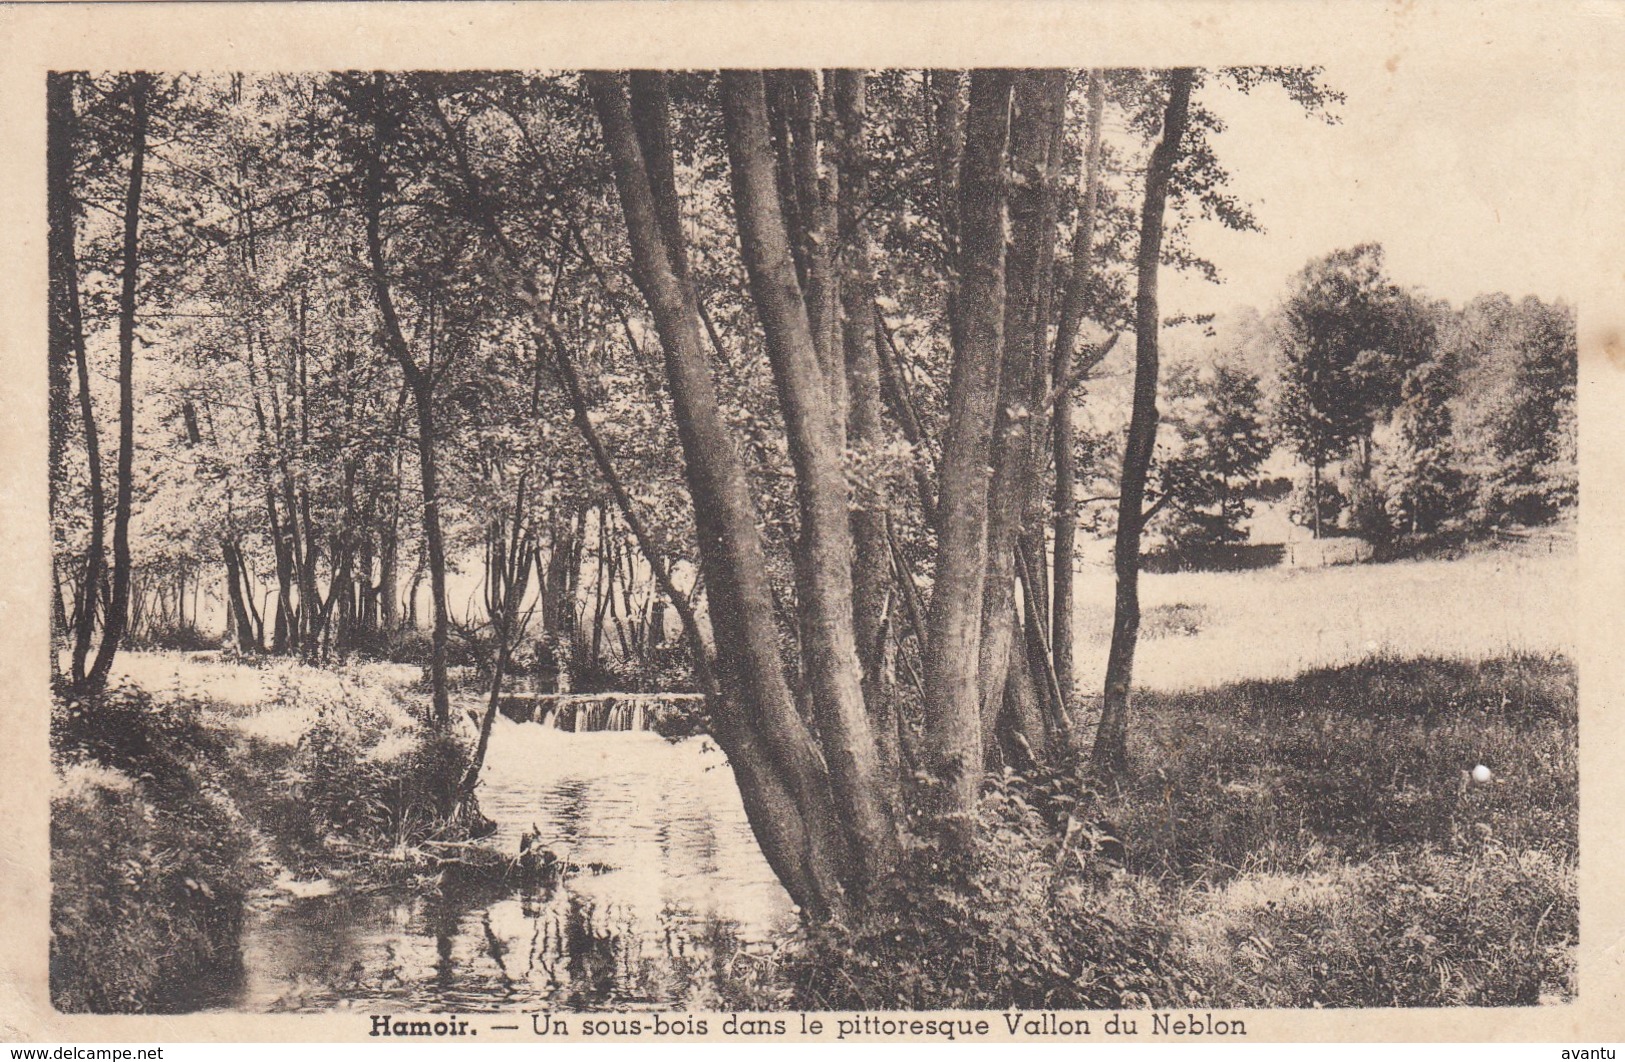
[[1469, 175]]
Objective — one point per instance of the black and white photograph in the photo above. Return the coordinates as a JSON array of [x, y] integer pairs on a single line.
[[598, 545]]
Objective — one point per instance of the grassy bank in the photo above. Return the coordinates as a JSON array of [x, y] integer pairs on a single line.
[[190, 787], [151, 862]]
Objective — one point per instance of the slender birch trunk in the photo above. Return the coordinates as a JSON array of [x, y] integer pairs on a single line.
[[1111, 740]]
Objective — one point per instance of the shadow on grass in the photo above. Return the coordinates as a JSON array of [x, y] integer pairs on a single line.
[[1360, 758]]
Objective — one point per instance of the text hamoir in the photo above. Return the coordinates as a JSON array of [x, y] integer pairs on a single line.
[[386, 1025]]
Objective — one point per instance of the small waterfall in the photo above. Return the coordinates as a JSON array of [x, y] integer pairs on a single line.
[[584, 713]]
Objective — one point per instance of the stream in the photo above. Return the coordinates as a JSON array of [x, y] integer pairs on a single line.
[[669, 887]]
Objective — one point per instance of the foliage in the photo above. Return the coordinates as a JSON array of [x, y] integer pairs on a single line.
[[123, 727], [1348, 337], [1208, 481], [285, 443], [1419, 473], [183, 637], [356, 779], [1521, 420], [150, 860], [1037, 921], [1484, 434], [1302, 507]]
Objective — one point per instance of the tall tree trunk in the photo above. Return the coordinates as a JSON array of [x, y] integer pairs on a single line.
[[1073, 305], [60, 130], [67, 341], [237, 615], [558, 594], [313, 610], [389, 609], [952, 721], [1039, 107], [283, 632], [945, 115], [1314, 495], [1111, 740], [824, 556], [782, 779], [242, 624], [422, 387], [871, 560], [118, 609], [509, 563], [435, 547], [812, 230]]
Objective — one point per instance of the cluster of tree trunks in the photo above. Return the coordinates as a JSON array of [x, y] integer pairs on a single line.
[[100, 602], [820, 779]]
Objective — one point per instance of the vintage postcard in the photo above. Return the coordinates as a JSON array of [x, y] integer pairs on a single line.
[[831, 522]]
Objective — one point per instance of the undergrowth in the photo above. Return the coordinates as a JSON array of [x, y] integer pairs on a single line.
[[1036, 920], [151, 861], [1312, 842]]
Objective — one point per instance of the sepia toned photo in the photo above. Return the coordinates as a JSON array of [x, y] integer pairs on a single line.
[[619, 549]]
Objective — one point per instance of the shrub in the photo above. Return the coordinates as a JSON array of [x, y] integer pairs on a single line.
[[182, 637], [361, 774], [123, 727], [1300, 507], [1029, 924]]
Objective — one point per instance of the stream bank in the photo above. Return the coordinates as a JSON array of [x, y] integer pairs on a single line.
[[622, 869]]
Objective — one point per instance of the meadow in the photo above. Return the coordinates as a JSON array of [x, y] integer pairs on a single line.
[[1302, 791], [1208, 628], [1299, 825]]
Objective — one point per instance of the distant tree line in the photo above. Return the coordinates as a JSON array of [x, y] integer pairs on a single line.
[[1444, 419], [1410, 419]]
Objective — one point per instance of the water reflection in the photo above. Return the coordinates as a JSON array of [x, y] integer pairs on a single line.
[[669, 885]]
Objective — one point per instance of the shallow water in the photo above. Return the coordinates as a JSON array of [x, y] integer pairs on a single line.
[[669, 885]]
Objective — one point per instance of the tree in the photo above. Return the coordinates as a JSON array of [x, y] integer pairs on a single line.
[[953, 731], [871, 554], [67, 351], [783, 778], [1111, 739], [1421, 473], [139, 89], [1348, 337], [1533, 476], [1205, 483], [1007, 689], [1073, 308], [420, 379], [830, 658]]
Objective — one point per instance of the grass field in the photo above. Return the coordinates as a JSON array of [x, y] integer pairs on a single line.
[[1301, 791], [1209, 628]]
